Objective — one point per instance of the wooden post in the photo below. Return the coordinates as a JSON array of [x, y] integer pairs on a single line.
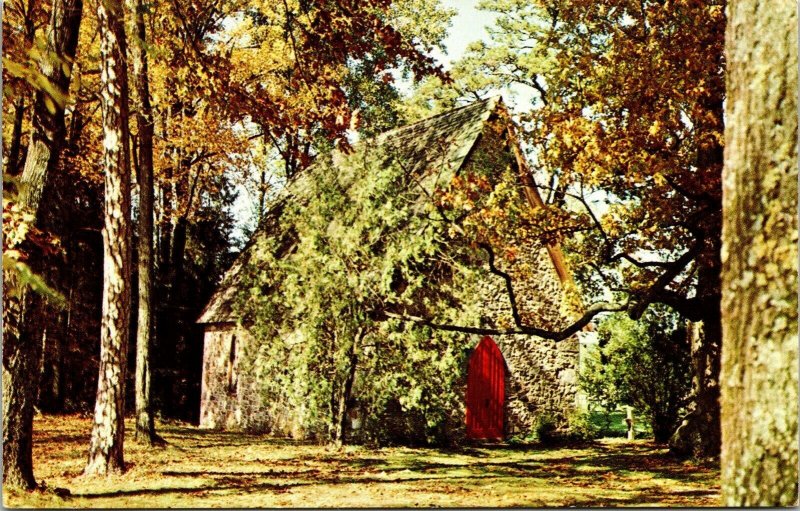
[[629, 422]]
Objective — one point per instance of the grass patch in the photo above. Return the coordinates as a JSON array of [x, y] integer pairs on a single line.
[[202, 469], [612, 424]]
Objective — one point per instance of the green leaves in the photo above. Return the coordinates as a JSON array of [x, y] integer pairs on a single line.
[[365, 242], [644, 364], [21, 277]]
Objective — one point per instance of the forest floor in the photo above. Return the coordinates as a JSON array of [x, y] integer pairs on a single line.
[[199, 468]]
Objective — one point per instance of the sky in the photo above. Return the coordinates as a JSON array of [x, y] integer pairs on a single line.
[[468, 25]]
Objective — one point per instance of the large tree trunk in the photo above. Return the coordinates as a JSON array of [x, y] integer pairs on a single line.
[[760, 352], [21, 358], [108, 431], [24, 316], [48, 127], [145, 425], [698, 433]]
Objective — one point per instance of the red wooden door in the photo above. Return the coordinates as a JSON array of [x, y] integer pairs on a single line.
[[486, 388]]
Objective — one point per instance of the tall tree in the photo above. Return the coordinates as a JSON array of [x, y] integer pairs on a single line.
[[145, 425], [24, 316], [108, 430], [282, 65], [20, 23], [759, 352], [625, 126]]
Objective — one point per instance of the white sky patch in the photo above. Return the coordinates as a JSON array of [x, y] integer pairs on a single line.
[[468, 25], [627, 20]]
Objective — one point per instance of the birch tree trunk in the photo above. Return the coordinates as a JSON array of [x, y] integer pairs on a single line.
[[145, 425], [108, 431], [759, 308], [24, 317]]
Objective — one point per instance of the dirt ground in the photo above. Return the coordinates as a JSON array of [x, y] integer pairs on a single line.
[[199, 468]]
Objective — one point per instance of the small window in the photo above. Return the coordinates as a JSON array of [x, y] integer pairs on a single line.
[[231, 359]]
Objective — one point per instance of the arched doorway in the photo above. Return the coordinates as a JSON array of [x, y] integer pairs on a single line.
[[486, 388]]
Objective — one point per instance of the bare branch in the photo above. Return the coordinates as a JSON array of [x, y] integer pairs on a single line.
[[554, 335]]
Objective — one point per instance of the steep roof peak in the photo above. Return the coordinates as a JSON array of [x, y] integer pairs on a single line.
[[486, 105]]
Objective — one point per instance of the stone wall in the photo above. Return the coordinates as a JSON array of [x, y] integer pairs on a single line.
[[542, 374], [229, 395], [233, 395]]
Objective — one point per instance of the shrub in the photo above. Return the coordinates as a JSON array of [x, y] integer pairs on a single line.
[[545, 428], [580, 427]]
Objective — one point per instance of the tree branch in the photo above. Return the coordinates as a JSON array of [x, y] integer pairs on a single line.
[[512, 298], [554, 335]]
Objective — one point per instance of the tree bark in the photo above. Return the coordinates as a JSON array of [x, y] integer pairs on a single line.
[[21, 360], [345, 394], [698, 434], [108, 431], [48, 127], [24, 316], [145, 424], [12, 164], [759, 381]]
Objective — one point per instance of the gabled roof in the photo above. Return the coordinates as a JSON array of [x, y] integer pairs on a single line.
[[442, 142]]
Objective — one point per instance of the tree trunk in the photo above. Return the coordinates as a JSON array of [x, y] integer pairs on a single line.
[[346, 392], [12, 164], [108, 431], [178, 253], [48, 127], [760, 349], [50, 398], [698, 433], [21, 359], [145, 425], [24, 316]]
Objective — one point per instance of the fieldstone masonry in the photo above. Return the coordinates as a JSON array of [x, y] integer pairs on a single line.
[[230, 396], [542, 374]]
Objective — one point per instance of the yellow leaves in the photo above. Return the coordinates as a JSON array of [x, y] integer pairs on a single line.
[[611, 223], [16, 225], [53, 96], [655, 128], [716, 11], [567, 139]]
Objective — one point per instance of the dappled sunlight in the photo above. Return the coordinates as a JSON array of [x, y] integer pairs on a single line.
[[202, 468]]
